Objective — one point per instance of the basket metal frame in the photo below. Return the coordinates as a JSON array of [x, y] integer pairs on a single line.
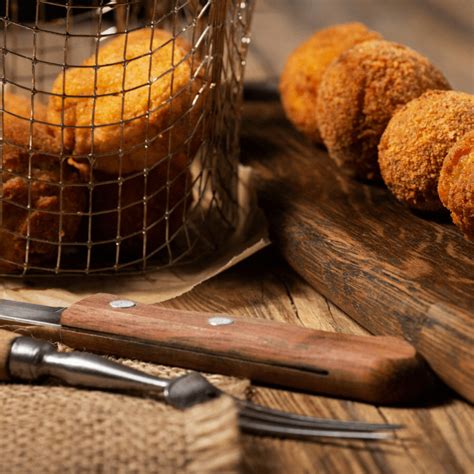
[[218, 34]]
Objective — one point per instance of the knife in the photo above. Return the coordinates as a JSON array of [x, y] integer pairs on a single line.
[[376, 369]]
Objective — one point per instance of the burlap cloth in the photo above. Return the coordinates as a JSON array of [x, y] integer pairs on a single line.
[[52, 429]]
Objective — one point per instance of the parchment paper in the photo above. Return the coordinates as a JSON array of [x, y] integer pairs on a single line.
[[158, 285]]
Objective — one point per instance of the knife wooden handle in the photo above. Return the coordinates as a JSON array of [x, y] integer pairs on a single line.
[[369, 368]]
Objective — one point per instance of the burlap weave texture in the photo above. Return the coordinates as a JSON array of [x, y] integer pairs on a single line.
[[56, 429]]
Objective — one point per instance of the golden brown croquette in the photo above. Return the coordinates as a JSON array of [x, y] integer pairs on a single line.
[[304, 69], [160, 96], [42, 222], [417, 140], [456, 184], [359, 93]]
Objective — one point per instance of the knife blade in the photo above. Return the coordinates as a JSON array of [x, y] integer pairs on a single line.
[[377, 369], [20, 312]]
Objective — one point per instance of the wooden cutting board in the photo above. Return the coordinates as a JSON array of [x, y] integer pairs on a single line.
[[394, 271]]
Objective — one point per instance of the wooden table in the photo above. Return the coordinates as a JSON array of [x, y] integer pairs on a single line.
[[438, 438]]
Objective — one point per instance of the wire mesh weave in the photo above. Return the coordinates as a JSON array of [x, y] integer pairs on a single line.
[[119, 132]]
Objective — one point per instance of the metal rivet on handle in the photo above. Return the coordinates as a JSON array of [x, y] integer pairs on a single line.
[[122, 304], [220, 321]]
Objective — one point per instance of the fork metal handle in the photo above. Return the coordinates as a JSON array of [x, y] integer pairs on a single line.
[[31, 359]]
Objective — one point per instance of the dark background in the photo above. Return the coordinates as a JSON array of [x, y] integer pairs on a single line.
[[442, 30]]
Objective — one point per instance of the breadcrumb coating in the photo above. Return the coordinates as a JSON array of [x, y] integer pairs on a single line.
[[304, 69], [359, 93], [44, 196], [456, 184], [159, 83], [416, 142]]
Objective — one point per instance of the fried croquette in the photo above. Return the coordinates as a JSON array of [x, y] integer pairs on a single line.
[[304, 69], [456, 184], [417, 140], [359, 93], [42, 223], [160, 108], [167, 194]]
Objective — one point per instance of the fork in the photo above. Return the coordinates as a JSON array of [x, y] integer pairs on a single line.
[[27, 359]]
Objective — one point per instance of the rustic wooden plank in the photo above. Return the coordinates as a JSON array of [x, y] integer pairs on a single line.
[[436, 439], [367, 253]]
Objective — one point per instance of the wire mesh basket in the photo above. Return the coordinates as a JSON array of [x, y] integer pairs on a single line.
[[119, 132]]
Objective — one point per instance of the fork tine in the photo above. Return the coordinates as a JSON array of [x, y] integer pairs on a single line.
[[264, 414], [272, 429]]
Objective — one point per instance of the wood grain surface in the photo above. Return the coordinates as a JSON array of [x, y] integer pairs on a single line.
[[395, 272], [437, 438], [377, 369]]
